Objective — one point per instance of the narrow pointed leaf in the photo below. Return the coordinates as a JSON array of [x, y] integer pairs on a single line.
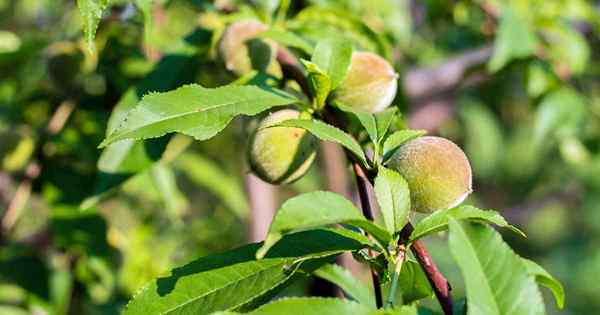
[[333, 56], [497, 280], [383, 120], [393, 197], [327, 132], [366, 119], [546, 279], [342, 278], [195, 111], [438, 220], [320, 83], [316, 209], [91, 14], [215, 283]]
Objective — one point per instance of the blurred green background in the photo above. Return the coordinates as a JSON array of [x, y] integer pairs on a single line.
[[515, 83]]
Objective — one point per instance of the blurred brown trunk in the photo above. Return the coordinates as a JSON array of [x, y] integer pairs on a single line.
[[262, 198]]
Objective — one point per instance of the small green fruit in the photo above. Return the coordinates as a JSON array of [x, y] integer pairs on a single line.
[[237, 42], [281, 155], [370, 85], [437, 171]]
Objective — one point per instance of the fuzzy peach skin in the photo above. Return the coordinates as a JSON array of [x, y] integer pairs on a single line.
[[437, 171], [281, 155], [371, 83]]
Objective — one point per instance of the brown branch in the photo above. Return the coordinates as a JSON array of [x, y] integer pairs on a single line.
[[438, 282], [363, 190], [423, 83]]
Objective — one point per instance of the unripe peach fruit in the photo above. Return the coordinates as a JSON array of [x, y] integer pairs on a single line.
[[437, 171], [234, 51], [370, 85], [281, 155]]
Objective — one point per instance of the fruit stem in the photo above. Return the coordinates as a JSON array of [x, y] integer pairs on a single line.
[[400, 255]]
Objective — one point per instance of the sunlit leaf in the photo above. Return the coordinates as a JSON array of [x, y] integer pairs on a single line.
[[333, 56], [195, 111], [91, 14], [327, 132], [393, 197], [215, 283], [438, 220], [497, 280], [316, 209]]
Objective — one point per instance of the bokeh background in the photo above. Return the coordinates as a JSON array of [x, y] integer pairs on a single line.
[[516, 83]]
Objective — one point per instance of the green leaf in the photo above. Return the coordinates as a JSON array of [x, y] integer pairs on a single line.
[[313, 306], [215, 283], [333, 56], [121, 160], [288, 39], [393, 197], [515, 39], [211, 177], [327, 132], [195, 111], [438, 220], [395, 140], [314, 209], [342, 278], [414, 284], [376, 124], [546, 279], [383, 121], [497, 279], [320, 83], [91, 13]]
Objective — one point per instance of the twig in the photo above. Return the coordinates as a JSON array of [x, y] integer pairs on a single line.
[[362, 183], [438, 282], [292, 70]]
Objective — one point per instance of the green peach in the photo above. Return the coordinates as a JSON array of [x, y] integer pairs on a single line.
[[371, 83], [235, 52], [437, 171], [281, 155]]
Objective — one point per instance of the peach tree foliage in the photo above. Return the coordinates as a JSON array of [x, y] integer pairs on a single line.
[[325, 90]]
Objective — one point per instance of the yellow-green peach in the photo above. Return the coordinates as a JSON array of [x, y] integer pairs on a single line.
[[437, 171], [371, 83], [281, 155]]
